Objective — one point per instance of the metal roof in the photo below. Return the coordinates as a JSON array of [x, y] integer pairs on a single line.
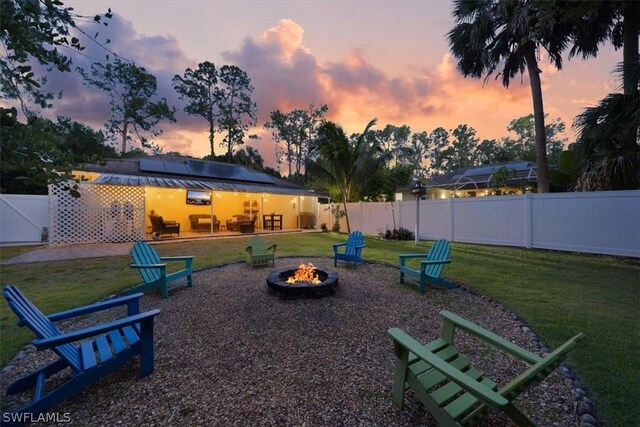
[[162, 182]]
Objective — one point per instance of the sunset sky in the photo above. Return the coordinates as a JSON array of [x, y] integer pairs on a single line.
[[365, 59]]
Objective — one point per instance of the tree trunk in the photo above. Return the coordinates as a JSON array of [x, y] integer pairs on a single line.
[[346, 214], [125, 127], [538, 118], [631, 68], [211, 131]]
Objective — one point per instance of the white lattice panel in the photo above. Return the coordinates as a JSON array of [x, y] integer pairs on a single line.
[[103, 213]]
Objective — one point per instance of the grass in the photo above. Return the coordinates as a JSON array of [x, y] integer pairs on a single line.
[[557, 293]]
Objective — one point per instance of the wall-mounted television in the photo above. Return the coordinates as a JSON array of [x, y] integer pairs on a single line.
[[198, 197]]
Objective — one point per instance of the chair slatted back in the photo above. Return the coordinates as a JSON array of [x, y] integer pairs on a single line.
[[438, 252], [354, 240], [258, 246], [40, 325], [145, 254], [540, 370]]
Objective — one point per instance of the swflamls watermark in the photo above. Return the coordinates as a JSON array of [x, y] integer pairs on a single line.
[[28, 417]]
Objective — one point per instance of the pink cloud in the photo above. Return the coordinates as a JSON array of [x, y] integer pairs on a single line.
[[287, 75]]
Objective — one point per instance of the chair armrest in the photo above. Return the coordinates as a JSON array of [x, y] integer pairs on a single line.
[[470, 385], [92, 308], [444, 261], [273, 248], [248, 249], [176, 258], [405, 257], [147, 265], [489, 337], [337, 245], [94, 330], [544, 365], [412, 256]]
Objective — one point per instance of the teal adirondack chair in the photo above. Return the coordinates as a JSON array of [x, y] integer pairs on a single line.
[[352, 250], [430, 267], [109, 346], [452, 390], [260, 254], [154, 271]]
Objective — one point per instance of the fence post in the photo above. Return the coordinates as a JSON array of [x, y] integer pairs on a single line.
[[361, 224], [451, 225], [527, 220], [400, 203]]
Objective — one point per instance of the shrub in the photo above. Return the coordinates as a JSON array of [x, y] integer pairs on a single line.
[[397, 234]]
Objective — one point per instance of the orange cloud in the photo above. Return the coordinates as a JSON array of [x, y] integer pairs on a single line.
[[287, 75]]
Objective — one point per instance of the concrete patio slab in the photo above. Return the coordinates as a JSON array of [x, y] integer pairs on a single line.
[[66, 252]]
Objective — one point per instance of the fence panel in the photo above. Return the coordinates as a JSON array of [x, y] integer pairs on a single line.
[[489, 220], [23, 218], [377, 217], [434, 219], [598, 222], [595, 222]]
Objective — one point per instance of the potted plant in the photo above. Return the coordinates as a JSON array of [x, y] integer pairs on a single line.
[[337, 213]]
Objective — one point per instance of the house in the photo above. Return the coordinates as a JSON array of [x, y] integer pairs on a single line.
[[514, 177], [119, 195]]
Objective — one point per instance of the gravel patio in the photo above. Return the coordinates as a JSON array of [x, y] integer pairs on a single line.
[[229, 353]]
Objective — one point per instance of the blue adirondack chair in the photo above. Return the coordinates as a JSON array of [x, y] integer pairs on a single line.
[[352, 250], [154, 271], [110, 345], [431, 266]]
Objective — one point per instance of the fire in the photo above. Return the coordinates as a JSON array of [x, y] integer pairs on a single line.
[[306, 272]]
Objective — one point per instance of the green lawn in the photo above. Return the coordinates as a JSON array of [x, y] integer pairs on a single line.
[[557, 293]]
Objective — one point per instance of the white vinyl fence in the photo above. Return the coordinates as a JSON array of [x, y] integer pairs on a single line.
[[23, 218], [594, 222]]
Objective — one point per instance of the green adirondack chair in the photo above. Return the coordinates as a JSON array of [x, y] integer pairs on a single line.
[[260, 254], [88, 354], [452, 390], [154, 271], [430, 267]]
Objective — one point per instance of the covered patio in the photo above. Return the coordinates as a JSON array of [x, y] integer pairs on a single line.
[[168, 196]]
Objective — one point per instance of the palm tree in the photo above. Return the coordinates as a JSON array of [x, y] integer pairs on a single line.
[[506, 36], [343, 163], [607, 146], [608, 160]]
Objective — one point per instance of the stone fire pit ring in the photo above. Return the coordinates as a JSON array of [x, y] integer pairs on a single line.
[[277, 283]]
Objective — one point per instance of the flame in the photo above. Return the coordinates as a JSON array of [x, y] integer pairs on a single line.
[[306, 272]]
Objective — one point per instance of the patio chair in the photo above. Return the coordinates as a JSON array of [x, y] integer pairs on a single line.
[[248, 226], [431, 266], [204, 222], [352, 250], [259, 253], [91, 353], [160, 226], [233, 224], [452, 390], [154, 271]]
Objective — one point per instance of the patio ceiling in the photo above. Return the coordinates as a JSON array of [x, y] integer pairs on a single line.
[[162, 182]]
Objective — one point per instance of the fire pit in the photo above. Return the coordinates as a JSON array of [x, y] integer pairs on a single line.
[[307, 281]]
